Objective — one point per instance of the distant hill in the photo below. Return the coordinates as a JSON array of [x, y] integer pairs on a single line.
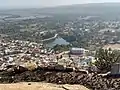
[[91, 9], [96, 8]]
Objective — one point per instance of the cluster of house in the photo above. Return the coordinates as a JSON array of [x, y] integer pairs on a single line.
[[24, 53], [77, 58], [17, 52]]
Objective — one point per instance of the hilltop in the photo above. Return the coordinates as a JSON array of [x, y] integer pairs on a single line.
[[40, 86]]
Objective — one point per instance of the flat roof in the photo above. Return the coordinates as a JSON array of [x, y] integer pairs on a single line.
[[77, 48]]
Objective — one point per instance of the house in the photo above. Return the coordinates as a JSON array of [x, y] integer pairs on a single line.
[[87, 61], [115, 69], [77, 51]]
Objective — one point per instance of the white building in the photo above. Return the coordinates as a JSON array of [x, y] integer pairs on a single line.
[[77, 51]]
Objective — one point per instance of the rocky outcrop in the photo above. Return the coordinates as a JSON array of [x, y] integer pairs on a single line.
[[92, 81]]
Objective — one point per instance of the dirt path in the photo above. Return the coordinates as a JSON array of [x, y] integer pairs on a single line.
[[40, 86]]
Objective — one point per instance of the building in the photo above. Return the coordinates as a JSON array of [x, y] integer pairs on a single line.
[[87, 61], [115, 69], [77, 51]]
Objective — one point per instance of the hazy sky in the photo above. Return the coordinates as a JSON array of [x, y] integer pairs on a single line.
[[45, 3]]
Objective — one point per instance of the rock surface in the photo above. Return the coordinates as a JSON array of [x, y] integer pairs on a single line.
[[92, 81], [40, 86]]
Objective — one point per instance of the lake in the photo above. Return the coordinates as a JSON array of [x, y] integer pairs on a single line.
[[59, 41]]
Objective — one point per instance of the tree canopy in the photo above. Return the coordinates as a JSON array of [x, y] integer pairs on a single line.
[[105, 58]]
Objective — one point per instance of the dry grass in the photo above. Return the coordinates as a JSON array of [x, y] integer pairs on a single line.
[[40, 86]]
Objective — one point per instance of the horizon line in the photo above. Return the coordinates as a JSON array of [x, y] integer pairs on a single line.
[[43, 7]]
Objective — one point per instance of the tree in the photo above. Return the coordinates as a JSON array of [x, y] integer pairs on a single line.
[[106, 58], [61, 48]]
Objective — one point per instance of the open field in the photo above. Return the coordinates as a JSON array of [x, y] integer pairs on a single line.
[[112, 46], [40, 86]]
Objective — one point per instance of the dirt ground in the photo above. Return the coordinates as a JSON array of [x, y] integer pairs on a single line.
[[40, 86], [112, 46]]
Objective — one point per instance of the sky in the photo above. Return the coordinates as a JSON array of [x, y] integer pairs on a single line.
[[45, 3]]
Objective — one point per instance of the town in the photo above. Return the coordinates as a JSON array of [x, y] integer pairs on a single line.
[[60, 48], [17, 52]]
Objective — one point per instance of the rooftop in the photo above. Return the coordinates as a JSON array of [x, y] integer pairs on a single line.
[[77, 48]]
